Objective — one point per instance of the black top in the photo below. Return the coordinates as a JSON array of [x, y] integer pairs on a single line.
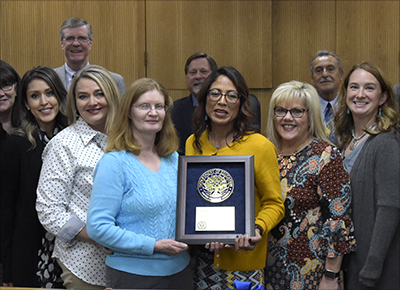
[[21, 230]]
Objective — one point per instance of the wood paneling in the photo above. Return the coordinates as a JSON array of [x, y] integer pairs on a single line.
[[30, 34], [269, 42], [235, 33], [369, 31], [300, 29]]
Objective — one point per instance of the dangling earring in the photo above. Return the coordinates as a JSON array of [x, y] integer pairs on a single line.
[[348, 111], [380, 111], [206, 118]]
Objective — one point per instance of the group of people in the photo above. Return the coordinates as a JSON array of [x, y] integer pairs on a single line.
[[88, 176]]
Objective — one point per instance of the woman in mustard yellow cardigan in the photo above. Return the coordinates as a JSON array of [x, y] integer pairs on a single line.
[[223, 126]]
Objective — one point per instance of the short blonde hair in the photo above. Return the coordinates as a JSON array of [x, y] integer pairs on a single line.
[[106, 83], [121, 136], [306, 93]]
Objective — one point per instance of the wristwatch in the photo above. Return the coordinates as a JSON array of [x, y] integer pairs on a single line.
[[330, 274]]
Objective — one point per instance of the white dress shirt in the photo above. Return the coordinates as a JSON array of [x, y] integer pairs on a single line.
[[324, 103], [63, 196], [70, 74]]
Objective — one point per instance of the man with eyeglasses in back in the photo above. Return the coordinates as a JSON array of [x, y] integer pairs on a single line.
[[326, 77], [76, 41]]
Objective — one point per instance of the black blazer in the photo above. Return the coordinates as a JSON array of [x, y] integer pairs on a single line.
[[182, 117], [20, 229]]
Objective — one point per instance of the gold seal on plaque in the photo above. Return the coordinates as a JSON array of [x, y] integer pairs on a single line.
[[215, 185]]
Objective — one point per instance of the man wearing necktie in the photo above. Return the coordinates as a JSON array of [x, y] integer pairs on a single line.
[[326, 76], [76, 38]]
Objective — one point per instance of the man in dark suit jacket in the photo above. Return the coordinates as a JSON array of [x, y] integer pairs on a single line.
[[76, 41], [197, 68]]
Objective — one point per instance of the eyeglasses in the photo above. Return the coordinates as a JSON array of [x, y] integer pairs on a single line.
[[81, 39], [148, 107], [6, 87], [231, 97], [296, 112]]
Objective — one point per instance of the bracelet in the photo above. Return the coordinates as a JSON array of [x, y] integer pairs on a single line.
[[259, 228]]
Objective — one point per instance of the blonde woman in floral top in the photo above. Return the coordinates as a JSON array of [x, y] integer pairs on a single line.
[[305, 250]]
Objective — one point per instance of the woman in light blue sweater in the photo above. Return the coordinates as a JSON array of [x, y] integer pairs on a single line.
[[133, 203]]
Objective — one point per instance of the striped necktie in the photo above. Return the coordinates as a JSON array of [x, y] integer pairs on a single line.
[[328, 122]]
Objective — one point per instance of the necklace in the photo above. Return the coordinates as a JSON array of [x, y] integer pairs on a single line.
[[286, 163], [227, 141], [354, 143]]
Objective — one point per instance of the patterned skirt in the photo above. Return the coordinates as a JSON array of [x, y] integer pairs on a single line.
[[49, 272], [206, 277]]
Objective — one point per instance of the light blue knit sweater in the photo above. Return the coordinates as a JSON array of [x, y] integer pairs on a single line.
[[132, 207]]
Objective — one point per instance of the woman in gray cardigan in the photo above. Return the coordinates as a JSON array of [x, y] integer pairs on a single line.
[[366, 124]]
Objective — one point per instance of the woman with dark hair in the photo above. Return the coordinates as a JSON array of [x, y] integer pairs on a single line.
[[66, 178], [223, 126], [37, 115], [133, 204], [9, 82], [366, 124]]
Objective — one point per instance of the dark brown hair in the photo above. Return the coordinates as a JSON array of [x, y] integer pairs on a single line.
[[243, 124]]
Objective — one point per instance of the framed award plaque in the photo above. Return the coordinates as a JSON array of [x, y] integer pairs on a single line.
[[215, 198]]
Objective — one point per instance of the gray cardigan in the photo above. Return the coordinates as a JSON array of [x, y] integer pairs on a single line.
[[375, 181]]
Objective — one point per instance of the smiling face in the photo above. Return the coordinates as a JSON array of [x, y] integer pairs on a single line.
[[326, 77], [76, 53], [7, 99], [198, 71], [222, 113], [91, 103], [293, 131], [364, 95], [147, 114], [42, 103]]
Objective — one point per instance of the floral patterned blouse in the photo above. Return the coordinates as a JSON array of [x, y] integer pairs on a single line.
[[317, 223]]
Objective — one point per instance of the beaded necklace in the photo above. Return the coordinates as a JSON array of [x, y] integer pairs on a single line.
[[286, 163], [354, 143]]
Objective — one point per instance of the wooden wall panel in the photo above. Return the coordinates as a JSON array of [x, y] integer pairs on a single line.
[[369, 31], [269, 42], [236, 33], [30, 33], [299, 30]]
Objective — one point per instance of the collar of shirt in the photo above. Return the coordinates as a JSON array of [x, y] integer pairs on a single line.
[[69, 72], [324, 103], [194, 100], [88, 134]]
